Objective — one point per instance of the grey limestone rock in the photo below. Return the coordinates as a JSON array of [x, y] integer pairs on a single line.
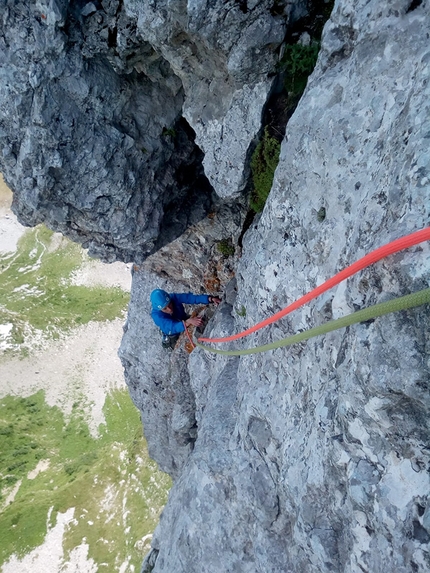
[[116, 117], [204, 257], [223, 52], [315, 458], [158, 380], [119, 116], [84, 139]]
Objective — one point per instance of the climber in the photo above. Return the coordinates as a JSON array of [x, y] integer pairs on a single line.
[[169, 314]]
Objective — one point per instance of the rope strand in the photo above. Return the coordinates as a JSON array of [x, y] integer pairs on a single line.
[[367, 260], [394, 305]]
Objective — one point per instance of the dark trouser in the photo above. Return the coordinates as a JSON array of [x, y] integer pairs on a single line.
[[169, 341]]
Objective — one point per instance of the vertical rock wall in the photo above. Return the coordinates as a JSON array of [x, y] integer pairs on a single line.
[[113, 114], [223, 53], [315, 458], [82, 139]]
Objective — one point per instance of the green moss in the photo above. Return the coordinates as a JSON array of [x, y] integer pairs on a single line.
[[263, 164], [321, 215], [226, 247], [81, 473], [241, 311], [298, 62], [169, 132]]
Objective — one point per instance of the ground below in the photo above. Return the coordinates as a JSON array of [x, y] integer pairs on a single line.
[[78, 490]]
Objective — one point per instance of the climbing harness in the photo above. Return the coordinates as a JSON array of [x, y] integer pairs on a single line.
[[394, 305]]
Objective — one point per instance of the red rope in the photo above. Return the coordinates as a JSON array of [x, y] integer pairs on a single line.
[[367, 260]]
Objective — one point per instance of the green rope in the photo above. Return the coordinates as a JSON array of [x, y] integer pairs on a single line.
[[394, 305]]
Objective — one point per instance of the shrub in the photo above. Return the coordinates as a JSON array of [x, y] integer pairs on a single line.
[[6, 431], [20, 452], [298, 61], [263, 164], [226, 247], [168, 132], [81, 463], [16, 466]]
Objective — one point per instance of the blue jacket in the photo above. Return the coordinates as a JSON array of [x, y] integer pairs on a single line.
[[172, 323]]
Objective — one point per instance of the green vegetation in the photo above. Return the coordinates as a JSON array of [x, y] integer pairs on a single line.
[[169, 132], [226, 247], [50, 464], [116, 490], [36, 291], [241, 311], [298, 61], [263, 164]]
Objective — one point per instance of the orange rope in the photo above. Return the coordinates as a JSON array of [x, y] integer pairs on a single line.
[[188, 334], [367, 260]]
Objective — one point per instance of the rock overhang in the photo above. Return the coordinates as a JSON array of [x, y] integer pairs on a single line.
[[97, 130]]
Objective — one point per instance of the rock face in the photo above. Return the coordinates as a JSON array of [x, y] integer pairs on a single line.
[[223, 52], [159, 384], [105, 103], [308, 459], [203, 259], [315, 458]]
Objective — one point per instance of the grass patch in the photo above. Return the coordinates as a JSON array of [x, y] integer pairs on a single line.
[[263, 164], [298, 62], [116, 490], [36, 291], [169, 132], [226, 247]]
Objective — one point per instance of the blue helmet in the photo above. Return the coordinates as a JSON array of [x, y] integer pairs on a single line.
[[159, 299]]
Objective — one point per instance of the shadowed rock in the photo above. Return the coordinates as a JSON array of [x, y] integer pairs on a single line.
[[93, 100]]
